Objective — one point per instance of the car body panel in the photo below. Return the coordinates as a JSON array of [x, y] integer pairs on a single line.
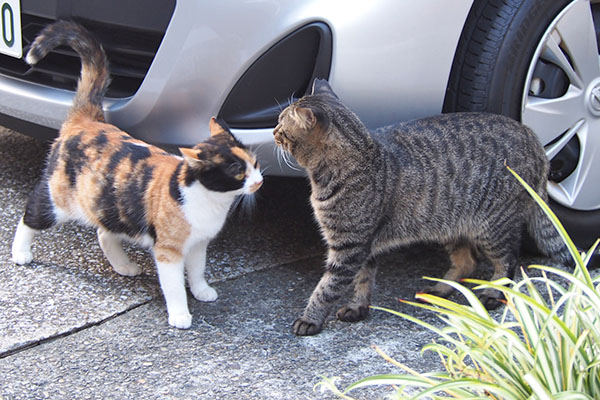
[[397, 50]]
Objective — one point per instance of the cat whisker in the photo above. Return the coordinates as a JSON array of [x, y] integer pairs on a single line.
[[284, 155], [280, 156], [287, 159], [235, 204], [264, 170], [292, 97], [244, 205], [279, 105], [256, 148]]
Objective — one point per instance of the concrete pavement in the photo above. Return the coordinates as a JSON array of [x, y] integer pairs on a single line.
[[71, 328]]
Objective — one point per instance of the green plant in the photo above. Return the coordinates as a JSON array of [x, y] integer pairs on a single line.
[[542, 347]]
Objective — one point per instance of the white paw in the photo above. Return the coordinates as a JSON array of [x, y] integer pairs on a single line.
[[206, 294], [181, 321], [129, 269], [22, 257]]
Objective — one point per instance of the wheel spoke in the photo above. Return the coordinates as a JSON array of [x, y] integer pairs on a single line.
[[578, 38], [580, 189], [554, 54], [555, 148], [550, 118]]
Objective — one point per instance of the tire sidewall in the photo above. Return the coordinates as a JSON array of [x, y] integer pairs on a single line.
[[508, 81], [523, 37], [506, 35]]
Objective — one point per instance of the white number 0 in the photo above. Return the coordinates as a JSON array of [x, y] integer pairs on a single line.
[[8, 25]]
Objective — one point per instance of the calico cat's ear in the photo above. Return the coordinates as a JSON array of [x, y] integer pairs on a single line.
[[218, 127], [321, 86], [192, 157]]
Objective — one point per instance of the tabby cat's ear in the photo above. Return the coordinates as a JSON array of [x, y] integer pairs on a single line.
[[218, 127], [306, 118], [321, 86], [192, 157]]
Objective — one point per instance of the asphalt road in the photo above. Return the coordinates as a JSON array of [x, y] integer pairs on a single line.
[[71, 328]]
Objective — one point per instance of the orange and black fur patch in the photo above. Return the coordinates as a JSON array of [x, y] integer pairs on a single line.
[[100, 175], [124, 184]]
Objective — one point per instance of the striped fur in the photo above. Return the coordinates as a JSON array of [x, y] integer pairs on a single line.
[[127, 189], [440, 179]]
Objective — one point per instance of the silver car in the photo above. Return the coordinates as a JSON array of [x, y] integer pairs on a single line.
[[175, 64]]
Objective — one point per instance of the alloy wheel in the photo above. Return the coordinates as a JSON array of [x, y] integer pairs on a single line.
[[561, 103]]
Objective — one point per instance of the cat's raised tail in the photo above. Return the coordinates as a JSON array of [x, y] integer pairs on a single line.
[[94, 78]]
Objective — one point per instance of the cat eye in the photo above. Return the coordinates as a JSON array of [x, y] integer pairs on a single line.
[[240, 177]]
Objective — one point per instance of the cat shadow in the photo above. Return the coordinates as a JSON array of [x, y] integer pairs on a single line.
[[73, 249], [401, 273]]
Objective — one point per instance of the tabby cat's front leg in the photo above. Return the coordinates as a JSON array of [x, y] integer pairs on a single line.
[[342, 270], [358, 307]]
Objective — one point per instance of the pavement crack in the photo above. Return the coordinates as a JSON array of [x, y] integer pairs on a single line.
[[266, 268], [49, 339]]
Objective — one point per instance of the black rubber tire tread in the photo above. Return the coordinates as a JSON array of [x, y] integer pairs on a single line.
[[489, 70], [494, 52]]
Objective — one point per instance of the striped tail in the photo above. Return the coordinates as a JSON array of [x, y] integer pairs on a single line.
[[94, 78], [547, 238]]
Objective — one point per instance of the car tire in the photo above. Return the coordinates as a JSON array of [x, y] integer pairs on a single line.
[[502, 50]]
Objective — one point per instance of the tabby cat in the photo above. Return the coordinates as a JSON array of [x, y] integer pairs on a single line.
[[440, 179], [101, 176]]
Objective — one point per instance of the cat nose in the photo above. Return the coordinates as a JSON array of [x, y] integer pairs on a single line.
[[276, 130]]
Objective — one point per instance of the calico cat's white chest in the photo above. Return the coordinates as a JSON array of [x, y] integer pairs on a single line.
[[205, 210]]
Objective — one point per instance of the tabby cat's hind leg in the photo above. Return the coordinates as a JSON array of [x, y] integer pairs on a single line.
[[463, 264], [503, 252], [503, 267], [39, 214], [112, 247]]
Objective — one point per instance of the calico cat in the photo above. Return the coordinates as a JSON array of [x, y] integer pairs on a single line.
[[440, 179], [101, 176]]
